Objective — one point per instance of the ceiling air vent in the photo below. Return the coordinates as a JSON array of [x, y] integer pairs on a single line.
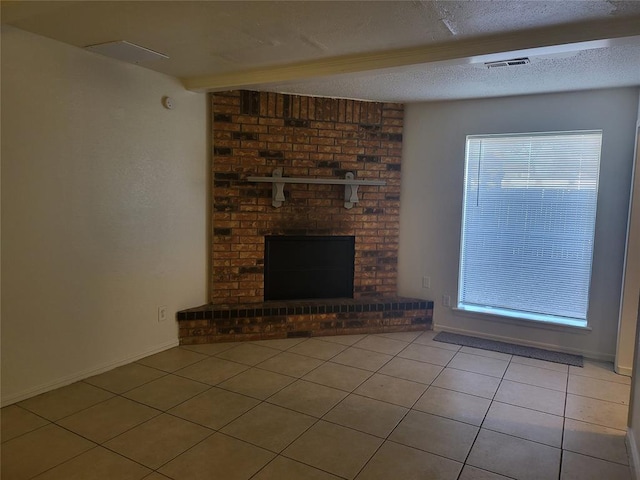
[[508, 63], [126, 51]]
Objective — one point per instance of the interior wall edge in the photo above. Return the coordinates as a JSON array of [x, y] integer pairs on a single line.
[[83, 374], [634, 455]]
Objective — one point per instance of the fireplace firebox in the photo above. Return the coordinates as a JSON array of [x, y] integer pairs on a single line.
[[307, 267]]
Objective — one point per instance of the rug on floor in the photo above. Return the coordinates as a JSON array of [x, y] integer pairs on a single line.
[[509, 348]]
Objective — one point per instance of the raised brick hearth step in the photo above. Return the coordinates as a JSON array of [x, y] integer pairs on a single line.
[[260, 321]]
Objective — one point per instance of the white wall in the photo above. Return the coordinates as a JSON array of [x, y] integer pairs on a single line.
[[633, 431], [103, 212], [627, 322], [431, 204], [631, 279]]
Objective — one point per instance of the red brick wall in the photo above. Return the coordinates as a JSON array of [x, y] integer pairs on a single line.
[[256, 132]]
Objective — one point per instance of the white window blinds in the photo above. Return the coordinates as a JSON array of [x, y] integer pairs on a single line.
[[528, 224]]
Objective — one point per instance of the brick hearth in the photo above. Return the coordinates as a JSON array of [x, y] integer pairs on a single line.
[[261, 321]]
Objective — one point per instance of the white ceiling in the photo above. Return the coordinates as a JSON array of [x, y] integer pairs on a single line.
[[239, 44]]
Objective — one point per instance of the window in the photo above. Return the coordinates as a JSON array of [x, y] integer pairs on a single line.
[[528, 225]]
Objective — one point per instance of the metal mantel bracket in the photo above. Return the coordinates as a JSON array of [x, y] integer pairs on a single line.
[[350, 186]]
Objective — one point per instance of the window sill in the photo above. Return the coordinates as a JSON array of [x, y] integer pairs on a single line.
[[469, 313]]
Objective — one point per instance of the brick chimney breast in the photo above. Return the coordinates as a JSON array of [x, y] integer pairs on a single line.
[[257, 132]]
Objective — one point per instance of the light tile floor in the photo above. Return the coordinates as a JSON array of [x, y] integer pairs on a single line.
[[388, 406]]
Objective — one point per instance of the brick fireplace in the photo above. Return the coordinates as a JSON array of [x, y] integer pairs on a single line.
[[255, 133]]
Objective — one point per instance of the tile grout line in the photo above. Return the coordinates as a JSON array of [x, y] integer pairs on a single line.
[[331, 409], [84, 452], [95, 445], [260, 402], [318, 419], [98, 444], [213, 431], [161, 411], [409, 409], [564, 421], [278, 455], [78, 411], [464, 463], [137, 386], [49, 422]]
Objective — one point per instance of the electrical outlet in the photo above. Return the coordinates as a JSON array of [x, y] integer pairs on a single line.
[[162, 313], [426, 282], [446, 300]]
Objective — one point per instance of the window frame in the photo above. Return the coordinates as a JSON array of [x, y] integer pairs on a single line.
[[505, 313]]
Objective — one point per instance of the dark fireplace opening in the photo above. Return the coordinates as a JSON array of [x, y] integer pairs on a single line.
[[306, 267]]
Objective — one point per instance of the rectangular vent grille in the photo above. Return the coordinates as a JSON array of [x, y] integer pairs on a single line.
[[126, 51], [508, 63]]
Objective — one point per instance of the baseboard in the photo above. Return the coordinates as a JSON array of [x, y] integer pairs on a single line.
[[547, 346], [634, 456], [105, 367], [626, 371]]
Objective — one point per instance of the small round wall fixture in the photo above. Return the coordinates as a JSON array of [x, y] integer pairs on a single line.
[[167, 102]]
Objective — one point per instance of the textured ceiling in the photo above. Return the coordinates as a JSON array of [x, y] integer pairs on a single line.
[[206, 38], [617, 66]]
